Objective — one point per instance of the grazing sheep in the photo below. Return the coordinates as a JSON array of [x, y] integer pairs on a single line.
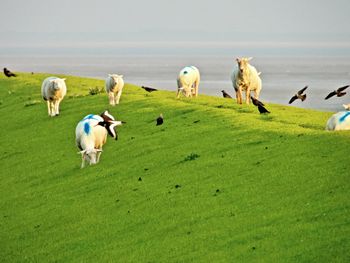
[[188, 82], [91, 135], [245, 77], [53, 91], [114, 86], [339, 121]]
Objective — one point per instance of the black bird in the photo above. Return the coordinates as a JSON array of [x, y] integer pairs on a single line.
[[160, 120], [299, 95], [148, 89], [339, 92], [260, 105], [262, 109], [8, 73], [226, 95], [257, 102]]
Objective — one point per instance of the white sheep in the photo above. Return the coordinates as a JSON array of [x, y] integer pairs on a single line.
[[339, 121], [246, 78], [114, 86], [91, 135], [188, 82], [53, 91]]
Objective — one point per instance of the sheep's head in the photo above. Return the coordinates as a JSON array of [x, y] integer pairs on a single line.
[[110, 123], [56, 83], [90, 155], [243, 63], [186, 91], [116, 78]]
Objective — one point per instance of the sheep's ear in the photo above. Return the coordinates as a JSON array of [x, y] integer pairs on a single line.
[[118, 123], [99, 150], [249, 59], [121, 76], [81, 152], [63, 79]]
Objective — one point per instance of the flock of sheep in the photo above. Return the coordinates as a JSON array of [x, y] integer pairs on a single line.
[[91, 131]]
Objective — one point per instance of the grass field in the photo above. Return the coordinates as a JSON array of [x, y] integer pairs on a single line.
[[217, 182]]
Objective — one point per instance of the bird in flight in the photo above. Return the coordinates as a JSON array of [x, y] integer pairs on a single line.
[[299, 95], [339, 92]]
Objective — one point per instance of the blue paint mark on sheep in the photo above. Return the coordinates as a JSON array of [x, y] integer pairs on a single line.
[[87, 128], [90, 116], [342, 118]]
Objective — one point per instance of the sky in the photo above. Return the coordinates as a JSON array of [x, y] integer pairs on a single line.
[[34, 23]]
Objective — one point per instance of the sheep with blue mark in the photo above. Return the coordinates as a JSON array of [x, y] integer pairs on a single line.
[[188, 82], [114, 87], [339, 121], [53, 90], [91, 135]]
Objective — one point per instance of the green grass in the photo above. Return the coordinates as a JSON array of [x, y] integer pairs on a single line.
[[217, 182]]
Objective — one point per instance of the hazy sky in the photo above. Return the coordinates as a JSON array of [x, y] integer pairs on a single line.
[[22, 22]]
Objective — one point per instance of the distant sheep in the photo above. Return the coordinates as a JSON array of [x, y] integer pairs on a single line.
[[91, 135], [114, 86], [245, 78], [53, 91], [188, 82], [339, 121]]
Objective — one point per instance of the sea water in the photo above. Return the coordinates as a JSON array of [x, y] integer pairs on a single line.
[[282, 76]]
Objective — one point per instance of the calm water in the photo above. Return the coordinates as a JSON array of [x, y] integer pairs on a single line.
[[281, 76]]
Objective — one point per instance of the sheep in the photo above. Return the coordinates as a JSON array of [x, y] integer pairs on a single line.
[[91, 135], [114, 86], [339, 121], [188, 82], [53, 90], [245, 77]]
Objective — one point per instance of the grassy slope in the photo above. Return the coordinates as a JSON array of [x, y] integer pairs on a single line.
[[264, 188]]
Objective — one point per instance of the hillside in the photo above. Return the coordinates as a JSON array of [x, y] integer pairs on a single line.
[[217, 182]]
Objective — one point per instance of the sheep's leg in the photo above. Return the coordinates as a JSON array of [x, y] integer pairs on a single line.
[[256, 94], [98, 156], [51, 109], [239, 95], [82, 161], [118, 96], [189, 93], [111, 98], [57, 106], [48, 108], [247, 95], [179, 90], [194, 90]]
